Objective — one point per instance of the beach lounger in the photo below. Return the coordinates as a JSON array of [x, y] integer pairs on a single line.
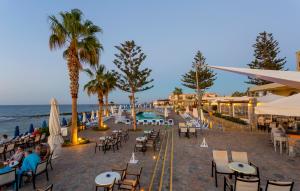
[[170, 122]]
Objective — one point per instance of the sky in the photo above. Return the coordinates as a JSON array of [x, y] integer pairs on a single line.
[[169, 32]]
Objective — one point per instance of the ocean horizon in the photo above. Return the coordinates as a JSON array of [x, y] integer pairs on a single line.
[[24, 115]]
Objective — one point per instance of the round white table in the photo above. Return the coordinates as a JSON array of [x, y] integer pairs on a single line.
[[117, 131], [241, 168], [102, 138], [147, 131], [141, 139], [107, 178]]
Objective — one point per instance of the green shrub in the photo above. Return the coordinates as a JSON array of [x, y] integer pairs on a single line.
[[229, 118]]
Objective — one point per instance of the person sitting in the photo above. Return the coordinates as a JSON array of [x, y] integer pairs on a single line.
[[18, 156], [36, 132]]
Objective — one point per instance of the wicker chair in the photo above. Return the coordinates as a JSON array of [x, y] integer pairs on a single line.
[[40, 169], [2, 151], [220, 165]]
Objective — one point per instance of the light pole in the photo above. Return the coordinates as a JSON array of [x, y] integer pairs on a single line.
[[198, 91]]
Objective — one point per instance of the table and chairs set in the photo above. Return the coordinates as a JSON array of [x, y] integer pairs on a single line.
[[246, 174], [187, 130], [112, 141], [123, 178], [150, 139]]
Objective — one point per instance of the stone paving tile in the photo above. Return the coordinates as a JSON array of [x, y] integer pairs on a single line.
[[78, 166], [192, 164]]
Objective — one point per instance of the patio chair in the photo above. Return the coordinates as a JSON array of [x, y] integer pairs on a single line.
[[181, 125], [125, 135], [131, 181], [151, 144], [10, 148], [9, 177], [193, 131], [140, 146], [279, 186], [2, 152], [183, 130], [219, 165], [113, 144], [121, 171], [107, 187], [101, 145], [43, 137], [243, 158], [40, 169], [170, 122], [47, 188], [242, 184], [49, 160]]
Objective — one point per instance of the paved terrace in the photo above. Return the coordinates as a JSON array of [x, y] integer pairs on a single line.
[[78, 166]]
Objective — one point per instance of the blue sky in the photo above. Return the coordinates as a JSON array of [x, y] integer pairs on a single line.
[[170, 33]]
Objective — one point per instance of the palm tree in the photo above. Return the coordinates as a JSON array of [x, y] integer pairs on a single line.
[[110, 85], [78, 38], [97, 85], [177, 91]]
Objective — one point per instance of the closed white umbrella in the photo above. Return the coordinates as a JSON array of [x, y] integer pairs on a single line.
[[166, 112], [97, 114], [112, 110], [120, 111], [202, 115], [83, 117], [92, 115], [55, 139], [187, 109], [195, 113]]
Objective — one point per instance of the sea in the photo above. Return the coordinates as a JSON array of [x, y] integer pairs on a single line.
[[24, 115]]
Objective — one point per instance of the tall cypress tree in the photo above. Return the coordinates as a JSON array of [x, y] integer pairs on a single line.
[[266, 52]]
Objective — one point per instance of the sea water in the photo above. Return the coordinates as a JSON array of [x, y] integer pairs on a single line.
[[24, 115]]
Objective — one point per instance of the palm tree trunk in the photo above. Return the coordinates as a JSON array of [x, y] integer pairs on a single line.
[[74, 66], [74, 121], [133, 110], [106, 105], [100, 118]]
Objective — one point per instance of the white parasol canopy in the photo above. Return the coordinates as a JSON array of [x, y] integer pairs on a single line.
[[289, 78], [187, 109], [92, 115], [83, 117], [195, 113], [287, 106], [268, 98], [120, 111], [202, 115], [55, 139], [166, 113]]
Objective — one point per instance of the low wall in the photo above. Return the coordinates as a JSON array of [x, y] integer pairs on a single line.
[[229, 124]]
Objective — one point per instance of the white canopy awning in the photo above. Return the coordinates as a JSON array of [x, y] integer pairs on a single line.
[[289, 78], [287, 106], [268, 98]]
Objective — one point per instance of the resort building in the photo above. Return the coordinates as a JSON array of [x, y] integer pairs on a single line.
[[162, 103]]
